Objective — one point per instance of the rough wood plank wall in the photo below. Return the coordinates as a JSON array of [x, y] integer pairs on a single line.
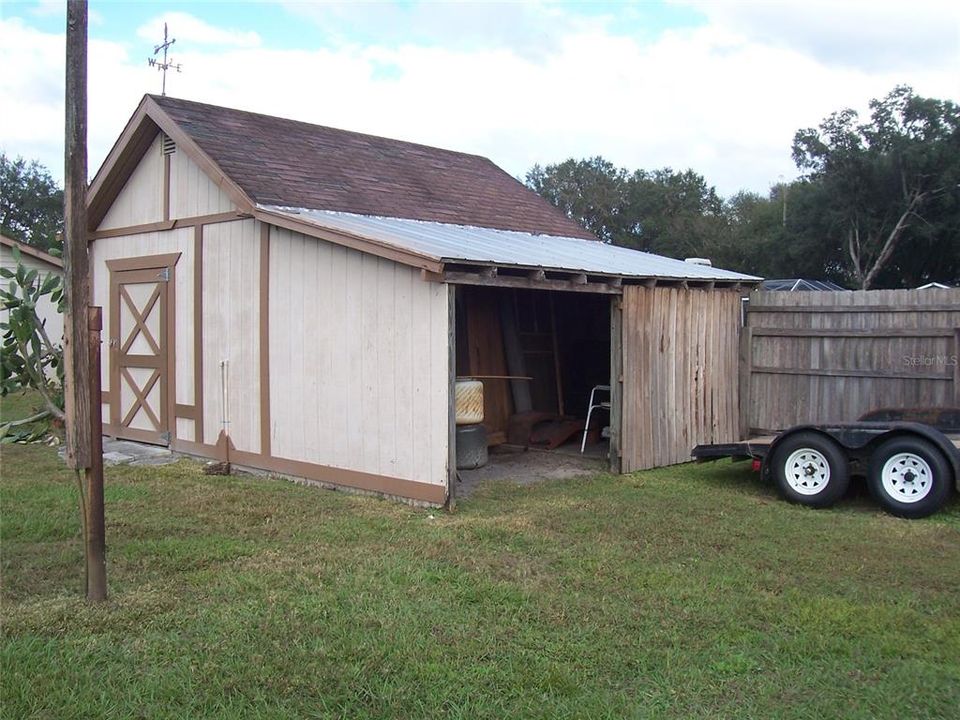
[[826, 357], [484, 339], [680, 351]]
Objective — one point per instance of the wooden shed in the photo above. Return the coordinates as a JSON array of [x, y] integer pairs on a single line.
[[301, 300]]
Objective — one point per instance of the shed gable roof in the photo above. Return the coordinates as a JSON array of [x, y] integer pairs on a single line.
[[275, 161], [33, 252]]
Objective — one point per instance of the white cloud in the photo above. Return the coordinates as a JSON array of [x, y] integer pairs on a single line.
[[704, 98], [529, 29], [868, 34], [48, 8], [187, 28]]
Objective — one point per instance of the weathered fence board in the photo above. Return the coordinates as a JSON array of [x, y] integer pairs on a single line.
[[814, 357], [680, 368]]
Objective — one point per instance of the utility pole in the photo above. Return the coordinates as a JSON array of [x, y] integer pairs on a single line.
[[165, 65], [80, 436]]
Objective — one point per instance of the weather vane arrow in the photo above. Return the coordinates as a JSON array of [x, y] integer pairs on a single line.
[[166, 64]]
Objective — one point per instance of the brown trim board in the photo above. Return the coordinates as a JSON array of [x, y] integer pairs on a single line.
[[171, 349], [143, 262], [186, 412], [451, 394], [347, 478], [147, 120], [354, 242], [31, 251], [198, 331], [206, 164], [162, 225], [134, 141], [369, 482]]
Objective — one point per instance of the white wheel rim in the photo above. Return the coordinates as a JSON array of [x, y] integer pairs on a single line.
[[807, 471], [906, 477]]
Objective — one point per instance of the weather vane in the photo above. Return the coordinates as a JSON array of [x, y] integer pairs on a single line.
[[165, 65]]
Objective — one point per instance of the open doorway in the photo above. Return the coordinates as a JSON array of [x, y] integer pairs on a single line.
[[539, 354]]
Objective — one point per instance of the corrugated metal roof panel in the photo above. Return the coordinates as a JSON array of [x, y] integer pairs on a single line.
[[800, 284], [469, 245]]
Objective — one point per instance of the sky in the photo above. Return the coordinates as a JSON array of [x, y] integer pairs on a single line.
[[718, 86]]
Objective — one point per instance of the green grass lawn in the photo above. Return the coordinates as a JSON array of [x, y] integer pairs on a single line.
[[685, 592]]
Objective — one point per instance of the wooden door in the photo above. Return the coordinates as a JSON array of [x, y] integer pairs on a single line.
[[680, 351], [139, 371]]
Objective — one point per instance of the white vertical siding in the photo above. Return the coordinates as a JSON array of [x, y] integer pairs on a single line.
[[231, 331], [192, 192], [185, 429], [141, 200], [46, 310], [358, 361], [155, 243]]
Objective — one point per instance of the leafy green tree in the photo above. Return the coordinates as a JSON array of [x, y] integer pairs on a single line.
[[664, 211], [887, 189], [31, 204], [592, 192], [674, 213]]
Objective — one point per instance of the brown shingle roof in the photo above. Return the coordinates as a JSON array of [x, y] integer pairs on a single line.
[[285, 162]]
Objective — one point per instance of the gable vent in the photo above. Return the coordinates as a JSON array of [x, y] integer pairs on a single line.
[[167, 145]]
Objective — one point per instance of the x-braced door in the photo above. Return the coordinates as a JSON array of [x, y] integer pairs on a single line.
[[139, 362]]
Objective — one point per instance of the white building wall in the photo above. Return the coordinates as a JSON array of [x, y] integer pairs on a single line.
[[358, 361], [231, 332], [192, 192], [46, 310], [141, 200]]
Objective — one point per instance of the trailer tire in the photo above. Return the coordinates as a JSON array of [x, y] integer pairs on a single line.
[[909, 477], [810, 469]]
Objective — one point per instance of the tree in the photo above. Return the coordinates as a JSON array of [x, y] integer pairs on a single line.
[[31, 203], [592, 192], [665, 211], [887, 189], [674, 213]]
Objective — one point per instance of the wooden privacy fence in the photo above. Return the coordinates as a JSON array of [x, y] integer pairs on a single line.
[[815, 357], [679, 351]]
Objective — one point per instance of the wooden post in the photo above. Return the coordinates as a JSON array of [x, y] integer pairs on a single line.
[[95, 531], [81, 348], [452, 398], [75, 261], [616, 384], [745, 374], [556, 357]]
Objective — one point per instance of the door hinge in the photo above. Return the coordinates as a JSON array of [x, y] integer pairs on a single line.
[[166, 437], [164, 275]]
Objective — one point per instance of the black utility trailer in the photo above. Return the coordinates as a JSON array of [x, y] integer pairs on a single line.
[[910, 458]]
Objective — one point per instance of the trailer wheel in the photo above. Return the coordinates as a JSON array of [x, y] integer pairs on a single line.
[[810, 470], [909, 477]]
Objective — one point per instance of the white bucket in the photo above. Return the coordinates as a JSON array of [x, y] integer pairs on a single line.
[[468, 403]]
